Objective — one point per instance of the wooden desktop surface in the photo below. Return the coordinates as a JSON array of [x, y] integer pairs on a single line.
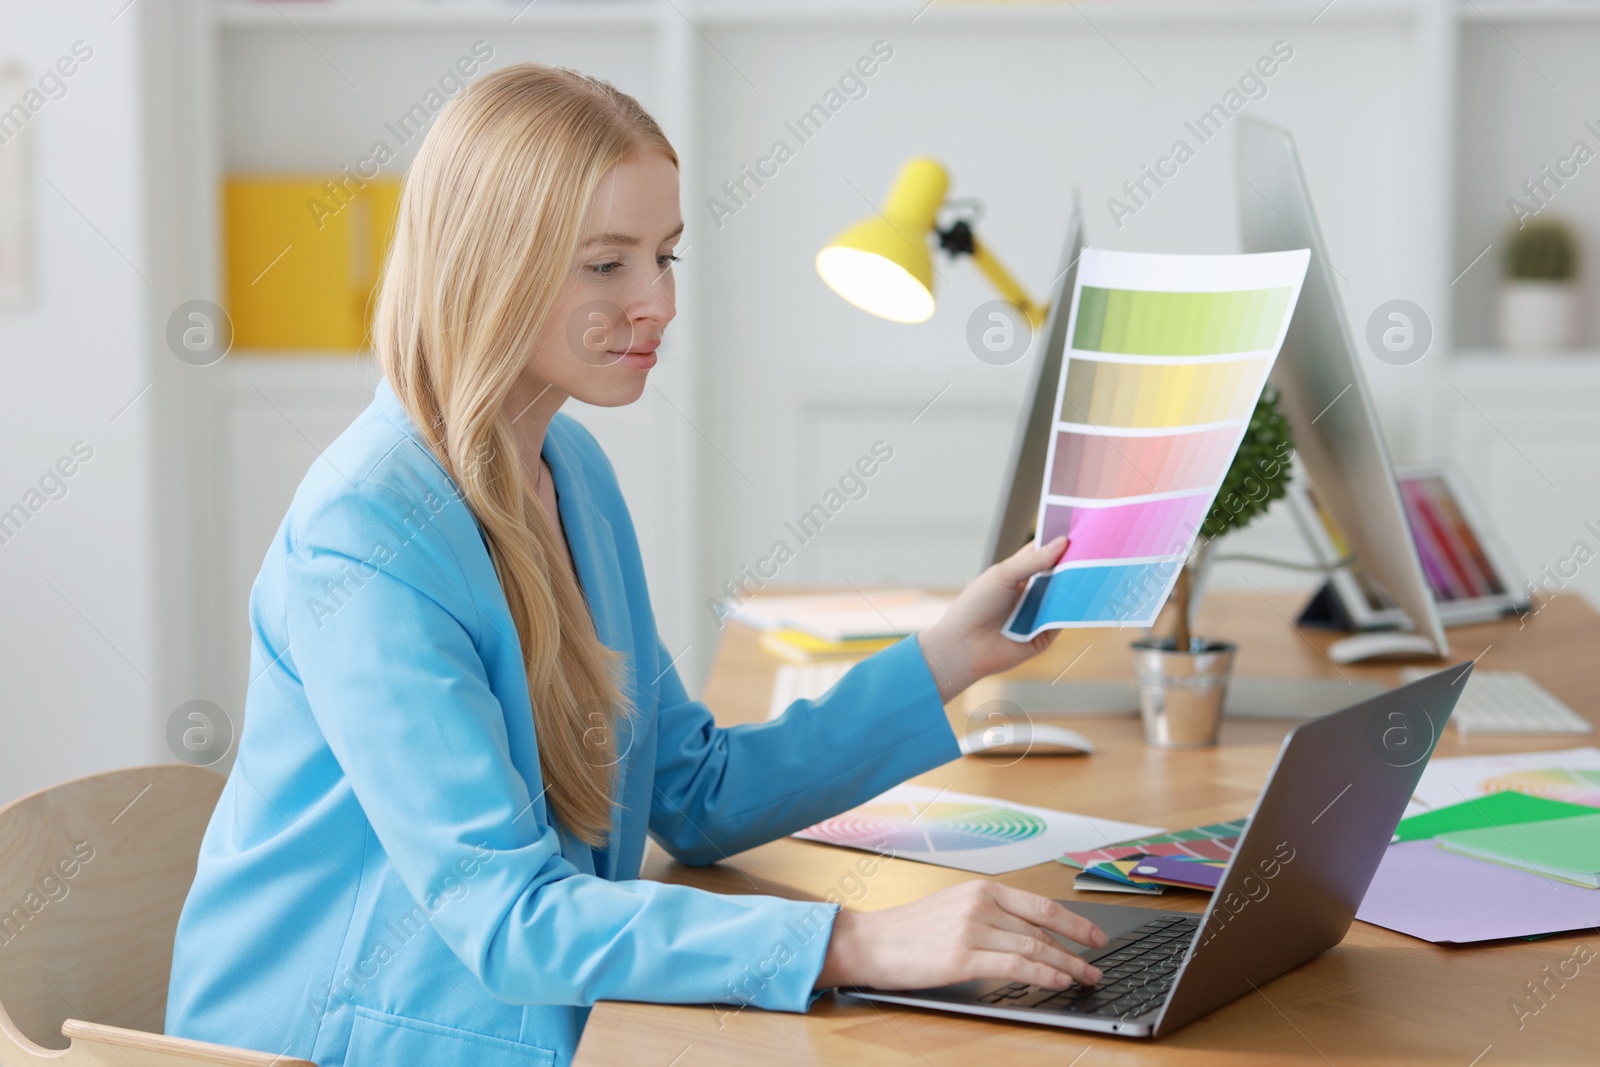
[[1378, 998]]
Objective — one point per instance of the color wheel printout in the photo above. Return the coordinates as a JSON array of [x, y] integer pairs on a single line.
[[969, 833], [1166, 359]]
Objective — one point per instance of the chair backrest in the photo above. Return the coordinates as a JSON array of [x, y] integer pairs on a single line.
[[93, 874]]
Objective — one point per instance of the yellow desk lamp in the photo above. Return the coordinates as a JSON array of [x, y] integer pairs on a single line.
[[883, 264]]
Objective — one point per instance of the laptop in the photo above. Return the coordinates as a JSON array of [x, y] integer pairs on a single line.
[[1290, 892]]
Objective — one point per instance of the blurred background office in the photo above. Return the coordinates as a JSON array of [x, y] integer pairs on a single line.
[[163, 158]]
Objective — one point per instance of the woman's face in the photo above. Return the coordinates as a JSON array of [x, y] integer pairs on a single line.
[[619, 295]]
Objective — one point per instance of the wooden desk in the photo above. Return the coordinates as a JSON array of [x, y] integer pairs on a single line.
[[1378, 998]]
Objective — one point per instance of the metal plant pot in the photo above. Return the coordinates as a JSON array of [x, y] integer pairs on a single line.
[[1181, 693]]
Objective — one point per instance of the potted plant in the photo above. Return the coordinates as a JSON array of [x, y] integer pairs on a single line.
[[1538, 294], [1183, 679]]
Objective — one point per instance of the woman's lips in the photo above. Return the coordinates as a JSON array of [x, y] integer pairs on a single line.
[[639, 357]]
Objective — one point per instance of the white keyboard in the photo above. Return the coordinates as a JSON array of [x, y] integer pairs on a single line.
[[1508, 702], [805, 681]]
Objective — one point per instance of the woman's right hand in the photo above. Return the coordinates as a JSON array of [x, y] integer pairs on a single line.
[[978, 929]]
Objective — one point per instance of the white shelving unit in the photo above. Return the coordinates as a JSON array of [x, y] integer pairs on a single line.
[[269, 87]]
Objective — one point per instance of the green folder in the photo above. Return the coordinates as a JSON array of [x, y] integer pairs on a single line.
[[1496, 809], [1568, 849]]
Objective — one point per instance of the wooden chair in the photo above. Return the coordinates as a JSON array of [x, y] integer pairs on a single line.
[[93, 874]]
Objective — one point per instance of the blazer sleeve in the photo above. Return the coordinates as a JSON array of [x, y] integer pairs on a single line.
[[723, 790], [401, 693]]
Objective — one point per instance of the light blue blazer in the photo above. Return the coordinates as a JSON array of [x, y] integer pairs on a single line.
[[382, 881]]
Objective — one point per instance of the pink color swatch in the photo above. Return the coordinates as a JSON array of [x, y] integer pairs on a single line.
[[1094, 465], [1127, 531]]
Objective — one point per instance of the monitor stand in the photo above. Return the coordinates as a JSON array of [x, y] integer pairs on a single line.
[[1281, 699]]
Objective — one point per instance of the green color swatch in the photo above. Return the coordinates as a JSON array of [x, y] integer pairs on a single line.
[[1496, 809], [1158, 323]]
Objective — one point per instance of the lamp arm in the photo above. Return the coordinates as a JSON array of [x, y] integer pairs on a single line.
[[959, 239], [1009, 287]]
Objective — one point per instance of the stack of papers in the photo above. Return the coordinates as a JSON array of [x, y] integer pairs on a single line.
[[1186, 859], [1568, 849], [836, 625], [1510, 848], [844, 616], [1496, 809], [1429, 892]]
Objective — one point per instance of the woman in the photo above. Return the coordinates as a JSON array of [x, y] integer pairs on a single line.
[[461, 723]]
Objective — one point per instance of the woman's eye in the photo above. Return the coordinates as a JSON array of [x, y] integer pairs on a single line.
[[605, 268], [667, 260]]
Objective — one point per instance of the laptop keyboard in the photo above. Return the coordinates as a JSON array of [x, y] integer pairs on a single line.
[[1136, 972]]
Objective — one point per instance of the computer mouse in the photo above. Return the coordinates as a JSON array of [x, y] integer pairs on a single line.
[[1032, 739], [1383, 643]]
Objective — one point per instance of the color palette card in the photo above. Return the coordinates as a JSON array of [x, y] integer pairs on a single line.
[[1166, 359], [1092, 882], [969, 833], [1213, 842]]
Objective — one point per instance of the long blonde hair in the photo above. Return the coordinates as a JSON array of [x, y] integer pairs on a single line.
[[488, 225]]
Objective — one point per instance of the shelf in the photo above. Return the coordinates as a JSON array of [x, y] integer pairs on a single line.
[[434, 14], [643, 14], [244, 368], [1574, 357], [1555, 374], [1020, 13], [1482, 12]]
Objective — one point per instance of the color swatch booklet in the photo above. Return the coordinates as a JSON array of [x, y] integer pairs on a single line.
[[1166, 359]]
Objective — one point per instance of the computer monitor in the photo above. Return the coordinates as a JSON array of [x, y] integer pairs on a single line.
[[1337, 439], [1018, 511]]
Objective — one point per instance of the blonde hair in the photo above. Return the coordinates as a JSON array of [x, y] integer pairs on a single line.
[[488, 225]]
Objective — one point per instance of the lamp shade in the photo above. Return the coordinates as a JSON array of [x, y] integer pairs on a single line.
[[882, 264]]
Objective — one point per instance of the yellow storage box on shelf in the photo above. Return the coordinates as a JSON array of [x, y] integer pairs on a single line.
[[303, 257]]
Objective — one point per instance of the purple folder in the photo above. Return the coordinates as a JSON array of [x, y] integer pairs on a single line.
[[1422, 890]]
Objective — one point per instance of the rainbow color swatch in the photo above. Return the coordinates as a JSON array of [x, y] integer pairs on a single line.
[[1168, 357]]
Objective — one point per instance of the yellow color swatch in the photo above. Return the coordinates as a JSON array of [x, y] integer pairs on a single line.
[[303, 257], [1159, 395]]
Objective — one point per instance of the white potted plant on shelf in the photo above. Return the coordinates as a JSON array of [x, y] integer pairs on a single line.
[[1182, 678], [1538, 294]]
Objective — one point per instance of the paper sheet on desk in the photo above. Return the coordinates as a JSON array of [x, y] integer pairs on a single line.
[[1570, 774], [970, 833], [1166, 360]]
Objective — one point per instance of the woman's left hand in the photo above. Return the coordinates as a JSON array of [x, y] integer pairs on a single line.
[[966, 643]]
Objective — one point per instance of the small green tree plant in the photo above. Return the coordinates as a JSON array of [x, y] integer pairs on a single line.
[[1542, 250], [1259, 475]]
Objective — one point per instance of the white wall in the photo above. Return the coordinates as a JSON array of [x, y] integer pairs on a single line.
[[78, 638]]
